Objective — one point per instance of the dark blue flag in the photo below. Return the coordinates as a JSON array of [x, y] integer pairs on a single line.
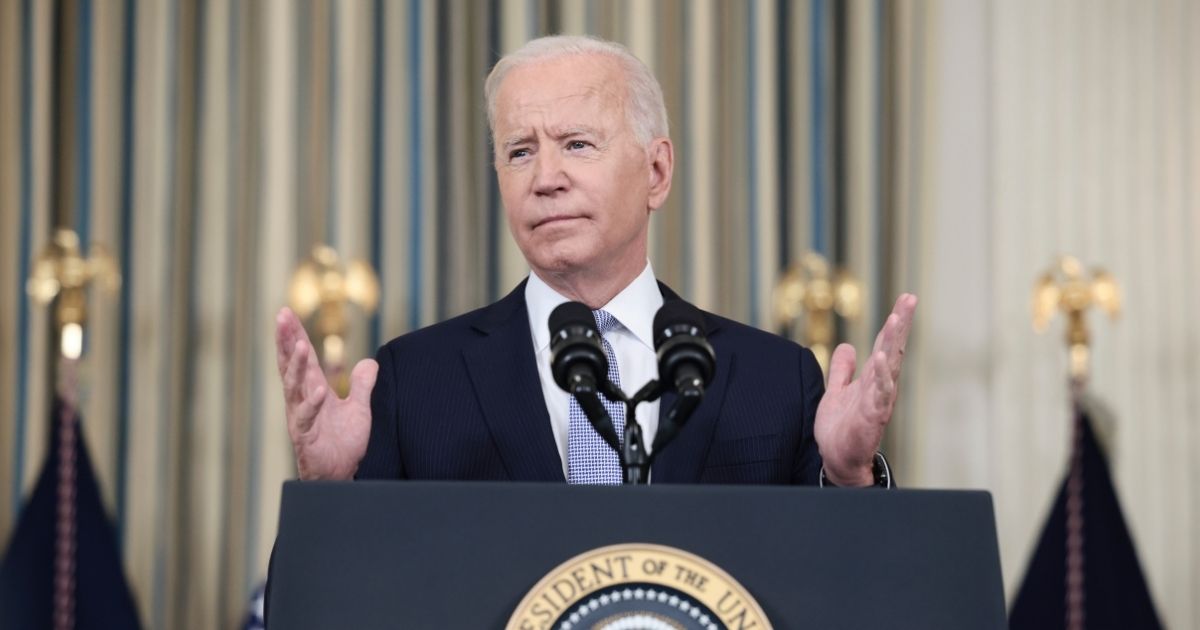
[[255, 616], [100, 597], [1108, 588]]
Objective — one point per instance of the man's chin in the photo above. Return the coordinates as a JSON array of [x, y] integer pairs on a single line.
[[563, 263], [562, 266]]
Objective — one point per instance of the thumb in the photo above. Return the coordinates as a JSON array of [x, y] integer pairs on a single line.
[[362, 381], [841, 367]]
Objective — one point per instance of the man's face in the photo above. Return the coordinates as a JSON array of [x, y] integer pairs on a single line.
[[577, 185]]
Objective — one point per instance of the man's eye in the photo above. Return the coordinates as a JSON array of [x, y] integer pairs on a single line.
[[575, 145], [517, 154]]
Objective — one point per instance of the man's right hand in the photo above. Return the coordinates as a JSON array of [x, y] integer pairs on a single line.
[[329, 434]]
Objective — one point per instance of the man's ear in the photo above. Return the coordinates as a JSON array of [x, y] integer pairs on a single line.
[[662, 165]]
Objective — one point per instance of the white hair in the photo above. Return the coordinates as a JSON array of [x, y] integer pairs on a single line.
[[644, 108]]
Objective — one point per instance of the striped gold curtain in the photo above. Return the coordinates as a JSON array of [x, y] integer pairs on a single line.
[[946, 148], [212, 143], [951, 148]]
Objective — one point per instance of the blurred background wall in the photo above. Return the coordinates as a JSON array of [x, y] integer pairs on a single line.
[[948, 148]]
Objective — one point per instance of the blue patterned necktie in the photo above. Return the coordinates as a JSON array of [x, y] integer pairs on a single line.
[[589, 459]]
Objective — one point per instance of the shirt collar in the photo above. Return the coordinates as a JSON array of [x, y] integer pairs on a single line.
[[634, 307]]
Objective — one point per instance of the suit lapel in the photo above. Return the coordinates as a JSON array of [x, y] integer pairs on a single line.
[[504, 376], [682, 460]]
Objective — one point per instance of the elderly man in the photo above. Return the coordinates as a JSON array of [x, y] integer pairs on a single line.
[[582, 155]]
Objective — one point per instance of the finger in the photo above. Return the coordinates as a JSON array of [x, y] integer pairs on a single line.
[[905, 309], [293, 376], [282, 346], [883, 385], [308, 387], [304, 414], [893, 338], [287, 327], [870, 371], [887, 333], [891, 345], [841, 367], [362, 380], [313, 376]]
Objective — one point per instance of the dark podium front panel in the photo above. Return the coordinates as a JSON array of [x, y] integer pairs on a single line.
[[463, 555]]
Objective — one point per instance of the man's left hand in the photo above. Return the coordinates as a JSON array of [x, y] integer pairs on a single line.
[[853, 413]]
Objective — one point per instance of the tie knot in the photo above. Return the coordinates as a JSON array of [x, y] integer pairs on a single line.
[[604, 321]]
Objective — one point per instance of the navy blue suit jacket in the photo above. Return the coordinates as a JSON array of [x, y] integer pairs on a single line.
[[462, 400]]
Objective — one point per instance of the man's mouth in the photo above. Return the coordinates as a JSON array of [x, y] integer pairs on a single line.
[[557, 218]]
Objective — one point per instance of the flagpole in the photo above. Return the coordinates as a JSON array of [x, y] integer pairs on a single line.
[[61, 274], [65, 513], [1076, 527], [1069, 289]]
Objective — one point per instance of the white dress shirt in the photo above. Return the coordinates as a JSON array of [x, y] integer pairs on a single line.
[[632, 342]]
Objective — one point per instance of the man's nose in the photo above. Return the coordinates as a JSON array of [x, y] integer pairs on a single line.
[[550, 176]]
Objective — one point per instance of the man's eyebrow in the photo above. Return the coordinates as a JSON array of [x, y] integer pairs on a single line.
[[575, 130], [557, 134], [513, 141]]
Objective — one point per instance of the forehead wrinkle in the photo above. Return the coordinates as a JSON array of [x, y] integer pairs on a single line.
[[555, 129], [516, 138], [603, 91]]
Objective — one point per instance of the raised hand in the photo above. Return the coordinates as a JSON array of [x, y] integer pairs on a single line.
[[853, 414], [329, 434]]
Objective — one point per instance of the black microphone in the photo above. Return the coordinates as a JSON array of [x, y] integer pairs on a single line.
[[576, 355], [580, 367], [686, 361]]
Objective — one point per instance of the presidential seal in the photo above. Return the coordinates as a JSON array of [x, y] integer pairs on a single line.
[[638, 587]]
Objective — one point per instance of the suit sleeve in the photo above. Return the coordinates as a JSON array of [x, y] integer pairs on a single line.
[[807, 463], [382, 459]]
